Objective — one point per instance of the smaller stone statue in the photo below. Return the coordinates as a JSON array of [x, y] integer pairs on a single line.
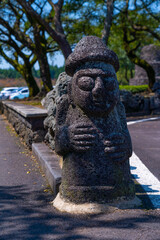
[[50, 103], [91, 132]]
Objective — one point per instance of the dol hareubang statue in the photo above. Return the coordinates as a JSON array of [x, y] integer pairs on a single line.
[[91, 131]]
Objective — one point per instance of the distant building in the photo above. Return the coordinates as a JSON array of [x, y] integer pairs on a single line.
[[151, 54]]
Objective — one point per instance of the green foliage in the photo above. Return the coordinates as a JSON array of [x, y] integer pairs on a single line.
[[134, 89], [12, 73], [9, 73], [82, 17]]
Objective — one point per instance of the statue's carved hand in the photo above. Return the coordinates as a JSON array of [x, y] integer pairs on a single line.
[[81, 137], [117, 148]]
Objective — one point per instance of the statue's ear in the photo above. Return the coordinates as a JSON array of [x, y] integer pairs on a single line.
[[69, 90]]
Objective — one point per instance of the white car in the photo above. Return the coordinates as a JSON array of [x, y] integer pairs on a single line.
[[22, 93], [7, 91]]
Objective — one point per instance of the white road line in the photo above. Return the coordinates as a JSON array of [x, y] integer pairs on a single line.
[[146, 179], [143, 120]]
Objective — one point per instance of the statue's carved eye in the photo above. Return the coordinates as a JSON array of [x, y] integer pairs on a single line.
[[86, 83], [110, 83]]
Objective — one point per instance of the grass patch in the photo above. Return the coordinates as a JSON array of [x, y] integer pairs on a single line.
[[134, 89]]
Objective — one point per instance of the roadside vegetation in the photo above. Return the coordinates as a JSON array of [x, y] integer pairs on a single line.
[[134, 89], [14, 74]]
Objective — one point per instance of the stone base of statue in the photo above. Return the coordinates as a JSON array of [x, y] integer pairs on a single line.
[[95, 208]]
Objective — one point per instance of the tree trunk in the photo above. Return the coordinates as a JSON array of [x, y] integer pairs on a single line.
[[108, 21], [45, 73], [146, 66], [31, 83], [41, 52]]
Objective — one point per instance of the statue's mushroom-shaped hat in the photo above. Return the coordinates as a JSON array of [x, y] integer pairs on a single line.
[[90, 49]]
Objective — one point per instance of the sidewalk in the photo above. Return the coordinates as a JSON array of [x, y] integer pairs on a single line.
[[26, 212]]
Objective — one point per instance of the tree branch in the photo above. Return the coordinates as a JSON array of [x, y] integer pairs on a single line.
[[150, 13], [146, 29], [57, 36]]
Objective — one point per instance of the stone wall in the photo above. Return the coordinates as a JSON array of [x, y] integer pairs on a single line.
[[135, 105], [26, 120]]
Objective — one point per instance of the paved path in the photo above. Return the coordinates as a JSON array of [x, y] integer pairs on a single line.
[[26, 212], [146, 144], [23, 194], [145, 160]]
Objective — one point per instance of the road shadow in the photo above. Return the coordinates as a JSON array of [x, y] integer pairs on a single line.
[[149, 196], [29, 215]]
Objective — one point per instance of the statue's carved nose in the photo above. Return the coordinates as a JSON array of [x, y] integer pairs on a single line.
[[97, 90]]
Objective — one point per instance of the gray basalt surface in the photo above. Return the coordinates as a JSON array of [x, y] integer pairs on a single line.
[[50, 103], [91, 132]]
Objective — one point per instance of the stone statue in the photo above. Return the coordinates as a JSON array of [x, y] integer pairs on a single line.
[[50, 102], [91, 132]]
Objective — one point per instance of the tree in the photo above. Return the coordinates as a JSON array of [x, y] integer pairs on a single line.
[[32, 36], [15, 53], [25, 68], [136, 24]]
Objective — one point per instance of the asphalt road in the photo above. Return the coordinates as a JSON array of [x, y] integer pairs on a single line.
[[26, 212], [146, 144]]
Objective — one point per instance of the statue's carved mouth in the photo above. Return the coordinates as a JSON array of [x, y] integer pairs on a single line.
[[98, 104]]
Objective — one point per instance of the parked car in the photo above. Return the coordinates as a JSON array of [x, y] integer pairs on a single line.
[[7, 91], [22, 93]]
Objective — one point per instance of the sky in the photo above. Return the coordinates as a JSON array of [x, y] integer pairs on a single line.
[[58, 60]]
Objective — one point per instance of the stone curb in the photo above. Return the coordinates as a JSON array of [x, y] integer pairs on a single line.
[[49, 162], [26, 110]]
